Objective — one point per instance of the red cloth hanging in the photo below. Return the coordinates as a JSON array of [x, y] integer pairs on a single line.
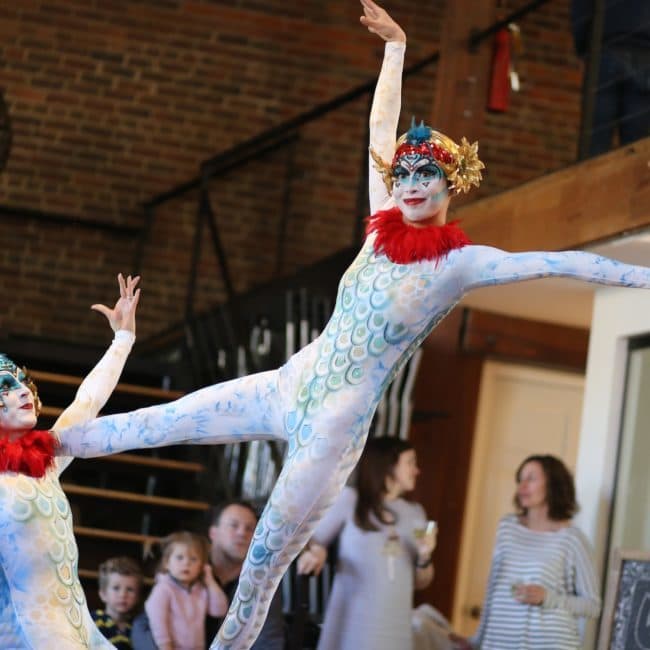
[[499, 94]]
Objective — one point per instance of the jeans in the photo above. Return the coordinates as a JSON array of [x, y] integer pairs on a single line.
[[622, 99]]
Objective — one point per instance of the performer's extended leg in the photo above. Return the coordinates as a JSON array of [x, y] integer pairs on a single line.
[[242, 409], [307, 486]]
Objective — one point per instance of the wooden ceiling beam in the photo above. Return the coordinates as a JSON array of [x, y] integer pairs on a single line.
[[587, 202]]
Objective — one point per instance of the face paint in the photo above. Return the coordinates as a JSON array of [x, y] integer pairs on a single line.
[[18, 411], [420, 188], [19, 403], [8, 382]]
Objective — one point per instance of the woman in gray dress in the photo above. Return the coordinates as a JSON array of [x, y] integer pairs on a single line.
[[384, 553]]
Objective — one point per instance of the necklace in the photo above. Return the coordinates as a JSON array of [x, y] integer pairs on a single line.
[[392, 548], [404, 244], [31, 454]]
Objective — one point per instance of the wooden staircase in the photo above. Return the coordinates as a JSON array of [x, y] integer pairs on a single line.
[[123, 504]]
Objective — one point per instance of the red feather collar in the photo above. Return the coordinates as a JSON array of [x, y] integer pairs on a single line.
[[31, 454], [404, 244]]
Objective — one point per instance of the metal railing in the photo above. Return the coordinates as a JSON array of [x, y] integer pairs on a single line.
[[283, 136], [615, 43]]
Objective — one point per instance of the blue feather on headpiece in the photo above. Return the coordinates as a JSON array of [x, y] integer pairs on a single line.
[[418, 134]]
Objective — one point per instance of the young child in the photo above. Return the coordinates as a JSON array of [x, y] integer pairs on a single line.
[[185, 591], [120, 582]]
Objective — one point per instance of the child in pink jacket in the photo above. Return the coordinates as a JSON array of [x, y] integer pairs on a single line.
[[185, 591]]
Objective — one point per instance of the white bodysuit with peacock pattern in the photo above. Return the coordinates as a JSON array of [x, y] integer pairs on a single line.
[[42, 605], [321, 402]]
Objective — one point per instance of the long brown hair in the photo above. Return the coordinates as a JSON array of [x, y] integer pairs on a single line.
[[377, 464]]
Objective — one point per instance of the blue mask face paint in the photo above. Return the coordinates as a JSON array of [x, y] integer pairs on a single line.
[[12, 378], [8, 382], [419, 187]]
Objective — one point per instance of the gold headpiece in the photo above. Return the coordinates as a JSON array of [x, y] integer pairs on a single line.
[[460, 163]]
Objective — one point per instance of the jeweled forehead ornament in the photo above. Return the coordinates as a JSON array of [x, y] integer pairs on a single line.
[[459, 162], [12, 377]]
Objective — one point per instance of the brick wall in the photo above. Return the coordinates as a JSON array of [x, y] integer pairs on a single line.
[[539, 132], [115, 102]]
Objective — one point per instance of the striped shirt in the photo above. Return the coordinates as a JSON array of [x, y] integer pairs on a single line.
[[561, 562]]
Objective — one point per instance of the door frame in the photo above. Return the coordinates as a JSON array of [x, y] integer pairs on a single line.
[[491, 372]]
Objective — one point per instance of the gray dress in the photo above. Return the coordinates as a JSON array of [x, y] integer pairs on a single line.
[[372, 595]]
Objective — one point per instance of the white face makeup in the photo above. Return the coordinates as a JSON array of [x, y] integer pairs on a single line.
[[17, 412], [420, 189]]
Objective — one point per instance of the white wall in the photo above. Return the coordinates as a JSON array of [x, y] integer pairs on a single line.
[[618, 315]]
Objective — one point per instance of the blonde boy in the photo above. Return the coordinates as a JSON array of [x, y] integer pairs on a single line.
[[120, 583]]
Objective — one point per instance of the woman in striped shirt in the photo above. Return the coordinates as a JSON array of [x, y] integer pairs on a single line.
[[542, 579]]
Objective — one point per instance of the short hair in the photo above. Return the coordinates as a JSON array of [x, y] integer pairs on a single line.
[[217, 510], [186, 538], [123, 566], [560, 489]]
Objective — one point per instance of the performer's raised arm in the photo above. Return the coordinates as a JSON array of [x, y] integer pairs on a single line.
[[387, 100], [96, 388], [411, 179]]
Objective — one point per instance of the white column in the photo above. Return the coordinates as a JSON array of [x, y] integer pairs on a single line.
[[618, 315]]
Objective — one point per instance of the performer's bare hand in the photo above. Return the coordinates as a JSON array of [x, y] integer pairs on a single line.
[[312, 559], [379, 22], [122, 316]]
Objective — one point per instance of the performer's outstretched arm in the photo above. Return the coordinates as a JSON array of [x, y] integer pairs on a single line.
[[483, 266], [96, 388]]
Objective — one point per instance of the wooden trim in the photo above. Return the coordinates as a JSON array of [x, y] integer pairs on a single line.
[[51, 411], [151, 461], [90, 574], [505, 337], [132, 389], [590, 201], [133, 497], [447, 382], [118, 535]]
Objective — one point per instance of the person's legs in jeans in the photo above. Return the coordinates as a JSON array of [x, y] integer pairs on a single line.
[[607, 105], [635, 118]]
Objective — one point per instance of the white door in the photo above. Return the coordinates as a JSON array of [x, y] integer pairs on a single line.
[[522, 410]]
